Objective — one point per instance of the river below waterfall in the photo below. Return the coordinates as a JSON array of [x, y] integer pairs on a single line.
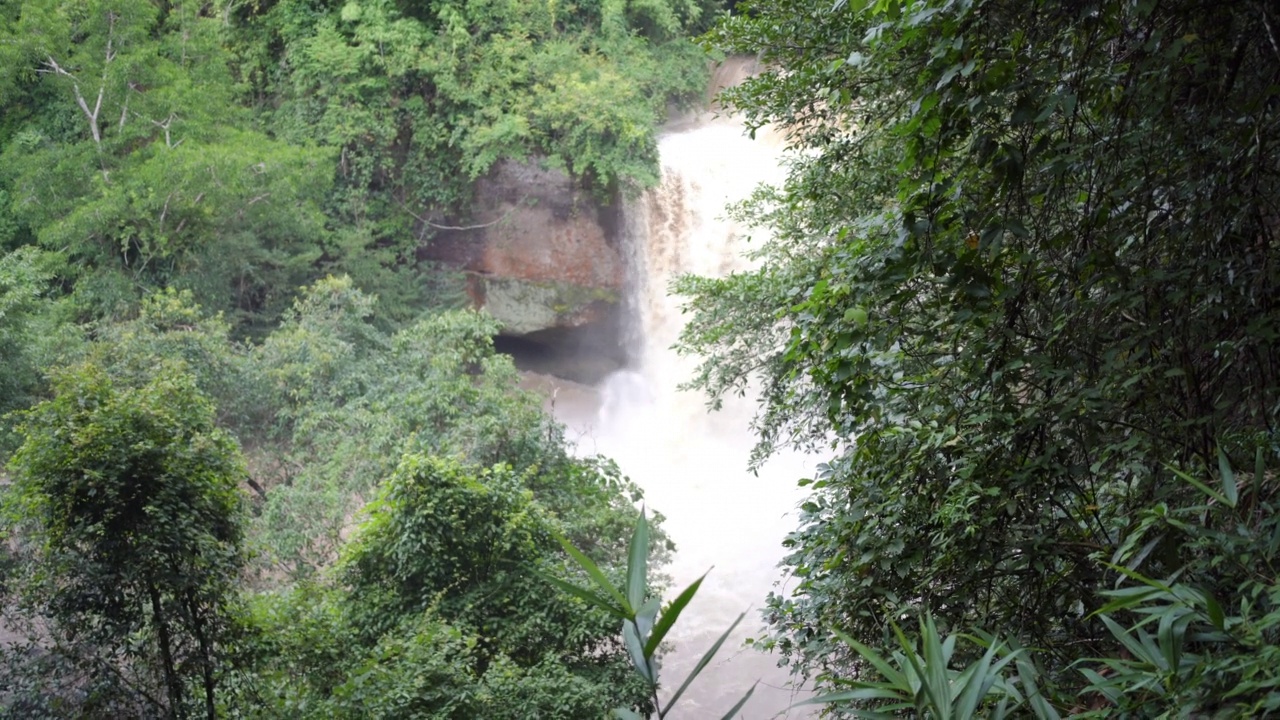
[[692, 463]]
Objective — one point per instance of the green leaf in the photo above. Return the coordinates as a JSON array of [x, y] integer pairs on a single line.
[[627, 714], [856, 315], [864, 691], [1028, 673], [635, 648], [1229, 488], [706, 658], [637, 563], [644, 617], [590, 597], [593, 571], [928, 685], [974, 685], [1216, 617], [668, 619], [886, 670], [1100, 684], [1135, 648], [1199, 485]]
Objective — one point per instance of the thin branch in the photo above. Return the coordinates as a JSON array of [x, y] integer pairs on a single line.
[[480, 226], [252, 201], [164, 211], [164, 125], [84, 105], [1271, 29]]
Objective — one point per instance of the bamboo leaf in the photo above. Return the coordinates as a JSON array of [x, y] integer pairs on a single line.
[[668, 619], [594, 572], [1214, 494], [865, 691], [882, 666], [913, 658], [635, 648], [1135, 648], [1229, 488], [1028, 673], [974, 684], [638, 562], [1216, 617], [586, 595], [644, 620]]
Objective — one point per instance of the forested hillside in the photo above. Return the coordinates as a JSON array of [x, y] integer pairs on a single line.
[[259, 463]]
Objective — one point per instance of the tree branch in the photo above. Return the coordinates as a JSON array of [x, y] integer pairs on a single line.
[[479, 226]]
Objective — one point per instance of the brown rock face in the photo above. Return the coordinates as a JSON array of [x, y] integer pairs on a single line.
[[531, 223], [542, 256]]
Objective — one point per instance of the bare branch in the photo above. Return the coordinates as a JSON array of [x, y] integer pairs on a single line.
[[252, 201], [165, 125], [164, 211], [479, 226], [1271, 29], [92, 115]]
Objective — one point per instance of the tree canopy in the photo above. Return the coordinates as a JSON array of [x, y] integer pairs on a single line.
[[1022, 280], [128, 500]]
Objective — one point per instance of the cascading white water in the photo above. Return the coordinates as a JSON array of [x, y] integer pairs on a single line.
[[691, 463]]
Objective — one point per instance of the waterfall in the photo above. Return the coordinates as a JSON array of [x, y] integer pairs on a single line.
[[692, 463]]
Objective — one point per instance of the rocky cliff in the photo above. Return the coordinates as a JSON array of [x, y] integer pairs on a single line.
[[543, 257]]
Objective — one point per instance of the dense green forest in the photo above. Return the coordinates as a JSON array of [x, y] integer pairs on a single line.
[[1021, 291], [260, 462]]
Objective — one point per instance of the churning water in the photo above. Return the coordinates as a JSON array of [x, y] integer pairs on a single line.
[[692, 463]]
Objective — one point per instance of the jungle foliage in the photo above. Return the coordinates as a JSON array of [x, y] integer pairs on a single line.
[[372, 546], [1022, 282], [236, 410], [242, 150]]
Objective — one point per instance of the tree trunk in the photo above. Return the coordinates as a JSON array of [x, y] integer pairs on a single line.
[[171, 680], [206, 654]]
